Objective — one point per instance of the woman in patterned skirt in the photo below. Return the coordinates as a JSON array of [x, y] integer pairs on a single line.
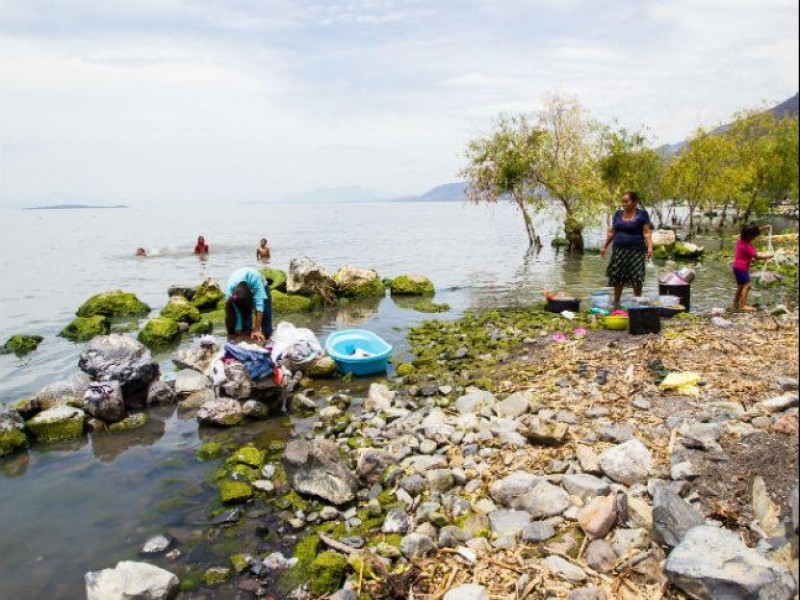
[[631, 234]]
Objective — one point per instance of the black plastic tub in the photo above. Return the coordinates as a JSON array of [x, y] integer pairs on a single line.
[[681, 291], [667, 312], [644, 319], [557, 305]]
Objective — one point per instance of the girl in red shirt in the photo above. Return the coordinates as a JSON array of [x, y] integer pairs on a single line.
[[201, 247], [742, 259]]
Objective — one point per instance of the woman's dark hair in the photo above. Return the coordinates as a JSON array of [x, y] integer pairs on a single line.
[[633, 196], [242, 298], [749, 232]]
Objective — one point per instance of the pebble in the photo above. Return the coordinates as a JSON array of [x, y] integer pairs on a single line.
[[627, 463], [564, 569], [157, 544], [641, 403], [587, 593], [538, 531], [683, 470], [617, 433], [509, 522], [467, 591], [263, 485], [598, 516], [600, 556]]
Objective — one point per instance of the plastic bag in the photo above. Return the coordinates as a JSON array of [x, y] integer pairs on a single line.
[[294, 346], [683, 383]]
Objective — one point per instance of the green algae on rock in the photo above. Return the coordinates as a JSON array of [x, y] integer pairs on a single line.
[[216, 575], [276, 278], [202, 327], [327, 573], [12, 440], [209, 451], [240, 562], [293, 303], [405, 369], [412, 285], [423, 305], [159, 332], [115, 303], [82, 329], [231, 492], [321, 368], [250, 456], [207, 295], [57, 424], [129, 422], [179, 309], [353, 282], [22, 344]]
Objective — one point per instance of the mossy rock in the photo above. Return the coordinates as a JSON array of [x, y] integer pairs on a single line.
[[250, 456], [405, 369], [85, 328], [22, 344], [159, 332], [686, 252], [216, 575], [427, 306], [353, 282], [321, 368], [209, 451], [239, 562], [327, 573], [11, 441], [231, 492], [293, 303], [130, 422], [202, 327], [179, 309], [412, 285], [215, 317], [115, 303], [662, 252], [276, 279], [57, 424], [559, 242], [207, 295]]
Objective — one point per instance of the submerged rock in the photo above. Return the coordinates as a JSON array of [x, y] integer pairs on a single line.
[[132, 581], [120, 358], [159, 332], [57, 424], [130, 422], [412, 285], [115, 303], [353, 282], [315, 468], [22, 344], [82, 329]]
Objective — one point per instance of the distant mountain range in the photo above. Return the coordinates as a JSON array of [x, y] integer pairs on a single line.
[[72, 206], [447, 192], [790, 107]]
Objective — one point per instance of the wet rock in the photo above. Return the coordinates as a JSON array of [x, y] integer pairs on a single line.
[[253, 409], [196, 357], [130, 422], [545, 500], [510, 490], [512, 406], [564, 569], [221, 412], [178, 309], [467, 591], [67, 391], [117, 357], [538, 531], [600, 556], [103, 400], [207, 295], [598, 516], [228, 517], [131, 580], [415, 545], [159, 332], [712, 562], [82, 329], [411, 285], [197, 400], [627, 463], [585, 486], [188, 381], [397, 521], [321, 368], [12, 431], [57, 424], [316, 469], [160, 393], [157, 544], [508, 522], [238, 384], [543, 433]]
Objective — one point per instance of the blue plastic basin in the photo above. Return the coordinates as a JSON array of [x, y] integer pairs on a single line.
[[340, 346]]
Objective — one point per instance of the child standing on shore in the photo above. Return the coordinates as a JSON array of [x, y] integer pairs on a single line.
[[742, 259]]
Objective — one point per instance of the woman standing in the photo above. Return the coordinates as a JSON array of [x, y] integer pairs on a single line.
[[631, 234]]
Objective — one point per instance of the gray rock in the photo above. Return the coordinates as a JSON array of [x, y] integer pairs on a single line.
[[545, 500], [713, 562], [428, 446], [762, 422], [701, 436], [541, 432], [371, 463], [585, 486], [600, 556], [473, 402], [160, 393], [588, 459], [598, 516], [415, 545], [617, 433], [564, 569], [157, 544], [538, 531], [396, 521], [131, 580], [307, 278], [253, 409], [626, 540], [683, 470], [379, 398], [508, 522], [587, 593], [197, 400], [103, 400], [189, 380], [196, 357], [121, 358], [510, 490], [344, 594], [787, 384], [221, 412], [414, 484], [795, 506], [596, 412], [62, 415], [641, 403], [316, 469], [475, 525], [451, 536], [627, 463], [467, 591], [238, 384], [439, 480], [66, 391], [780, 403], [512, 406], [263, 485]]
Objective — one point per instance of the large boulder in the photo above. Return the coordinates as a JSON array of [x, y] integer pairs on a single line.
[[131, 580], [57, 424], [315, 468], [12, 432], [412, 285], [82, 329], [21, 344], [117, 357], [159, 332], [221, 412], [275, 278], [103, 400], [353, 282], [293, 303], [207, 295], [179, 309], [115, 303], [160, 393], [309, 278], [712, 562]]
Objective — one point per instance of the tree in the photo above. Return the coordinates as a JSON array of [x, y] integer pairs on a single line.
[[764, 161], [503, 166], [567, 157]]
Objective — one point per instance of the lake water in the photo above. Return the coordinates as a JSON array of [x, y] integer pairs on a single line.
[[65, 510]]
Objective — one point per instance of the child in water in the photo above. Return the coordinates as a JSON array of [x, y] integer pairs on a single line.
[[201, 247], [742, 259], [262, 252]]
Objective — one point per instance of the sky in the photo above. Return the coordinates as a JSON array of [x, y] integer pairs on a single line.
[[250, 100]]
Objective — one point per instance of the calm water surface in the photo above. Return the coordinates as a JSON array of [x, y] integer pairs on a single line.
[[65, 510]]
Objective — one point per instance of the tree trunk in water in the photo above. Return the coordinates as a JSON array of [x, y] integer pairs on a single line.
[[573, 231], [533, 239]]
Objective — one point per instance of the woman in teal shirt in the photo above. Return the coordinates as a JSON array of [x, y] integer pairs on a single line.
[[247, 291]]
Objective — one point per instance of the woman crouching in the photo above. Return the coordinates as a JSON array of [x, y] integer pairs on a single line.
[[248, 292]]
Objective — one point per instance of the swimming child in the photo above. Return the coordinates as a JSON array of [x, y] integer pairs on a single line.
[[262, 252], [141, 252], [201, 247], [743, 257]]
